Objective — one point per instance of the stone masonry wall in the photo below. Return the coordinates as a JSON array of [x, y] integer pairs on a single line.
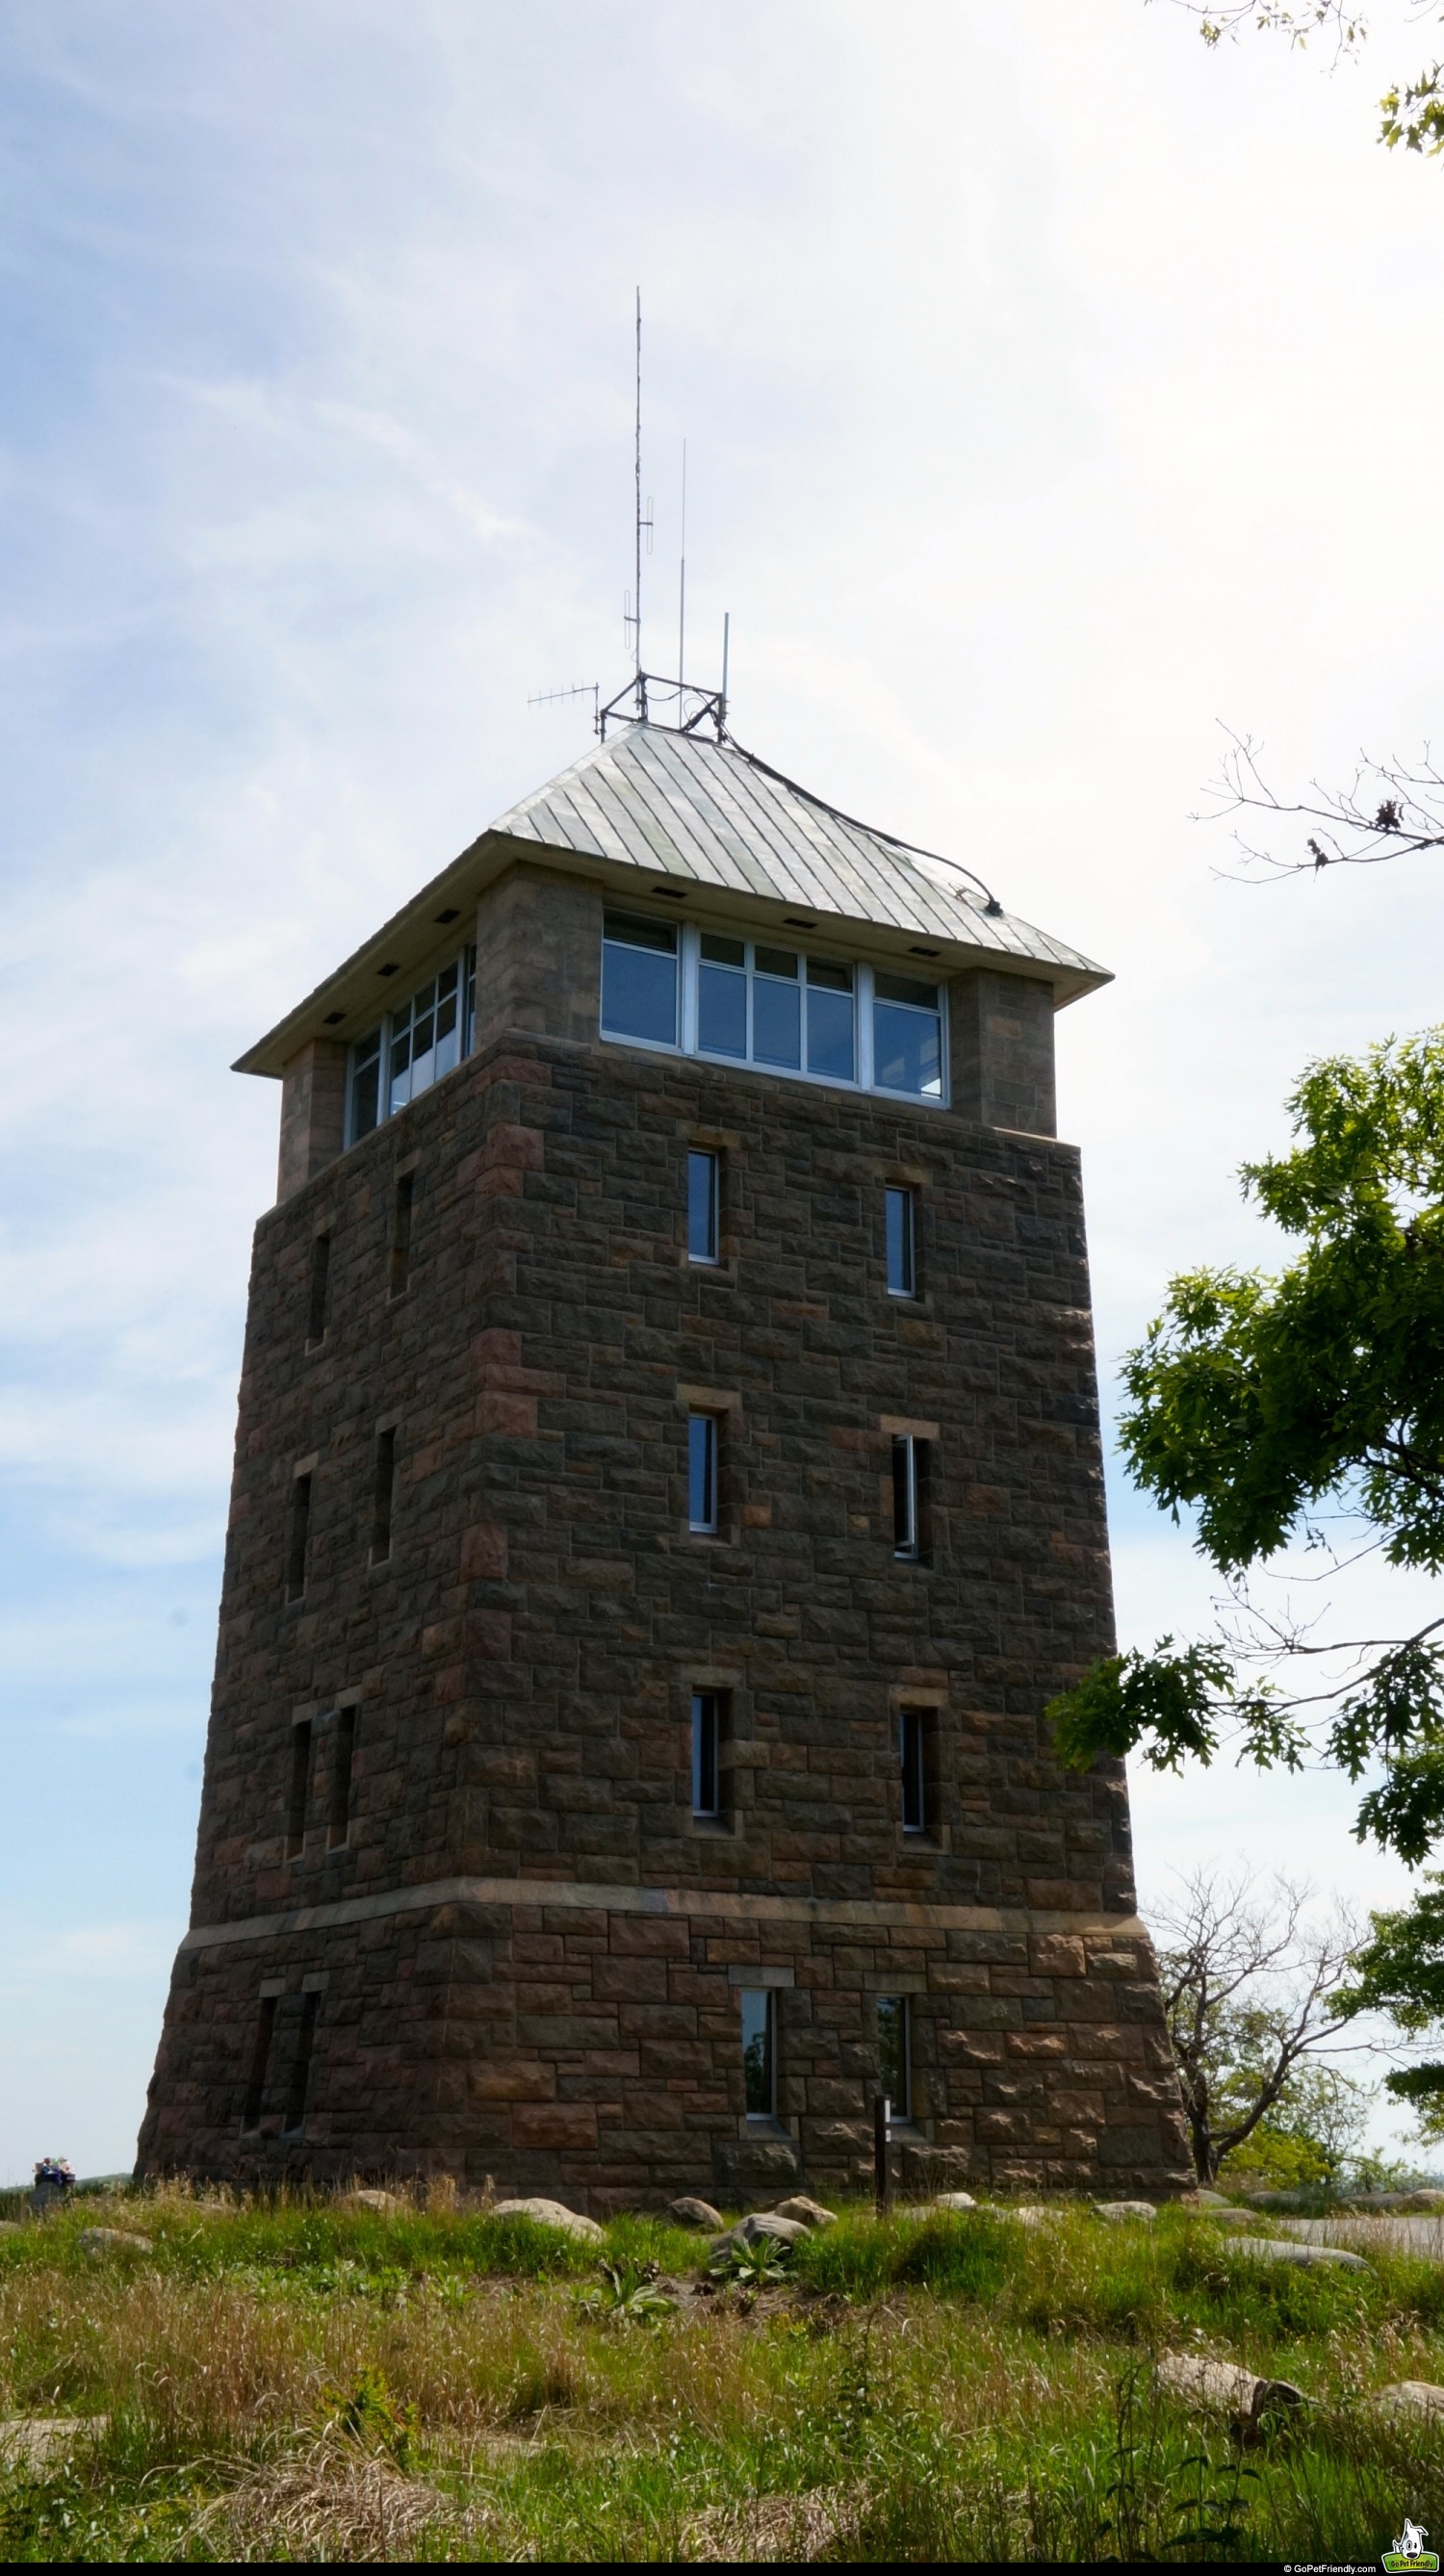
[[532, 1956]]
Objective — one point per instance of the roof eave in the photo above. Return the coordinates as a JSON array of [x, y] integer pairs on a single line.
[[358, 990]]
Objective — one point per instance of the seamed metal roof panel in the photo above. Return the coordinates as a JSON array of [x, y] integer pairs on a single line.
[[711, 815]]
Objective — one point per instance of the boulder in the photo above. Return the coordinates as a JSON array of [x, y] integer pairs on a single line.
[[1225, 2217], [1221, 2388], [782, 2232], [1267, 2249], [111, 2240], [689, 2212], [1117, 2212], [1031, 2213], [1424, 2200], [1410, 2397], [1202, 2199], [551, 2213], [952, 2200], [383, 2202], [808, 2213]]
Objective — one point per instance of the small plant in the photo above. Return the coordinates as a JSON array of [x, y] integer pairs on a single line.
[[370, 2416], [629, 2298], [760, 2265]]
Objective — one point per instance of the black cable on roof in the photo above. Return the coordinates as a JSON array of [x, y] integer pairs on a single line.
[[990, 900]]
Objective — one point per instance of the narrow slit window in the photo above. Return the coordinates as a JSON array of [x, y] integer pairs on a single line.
[[299, 1539], [260, 2064], [300, 1789], [906, 1520], [320, 1289], [901, 1226], [913, 1755], [383, 1513], [704, 1195], [707, 1755], [759, 2051], [343, 1765], [300, 2083], [401, 1232], [894, 2053], [702, 1480]]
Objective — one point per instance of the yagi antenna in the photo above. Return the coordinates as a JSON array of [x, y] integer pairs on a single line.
[[584, 689]]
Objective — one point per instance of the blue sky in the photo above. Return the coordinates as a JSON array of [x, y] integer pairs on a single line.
[[1053, 389]]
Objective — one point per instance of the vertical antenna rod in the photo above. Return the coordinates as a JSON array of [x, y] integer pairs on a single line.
[[726, 640], [682, 582], [638, 593]]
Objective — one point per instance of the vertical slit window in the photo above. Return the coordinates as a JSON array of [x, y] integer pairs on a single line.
[[901, 1230], [759, 2051], [894, 2054], [300, 1789], [260, 2064], [401, 1232], [913, 1732], [385, 1497], [907, 1036], [639, 979], [704, 1195], [319, 1288], [299, 1539], [300, 2083], [702, 1482], [906, 1516], [343, 1764], [706, 1754]]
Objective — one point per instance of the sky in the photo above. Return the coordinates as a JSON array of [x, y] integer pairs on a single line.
[[1055, 393]]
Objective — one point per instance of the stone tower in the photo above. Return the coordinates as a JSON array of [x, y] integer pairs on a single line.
[[667, 1493]]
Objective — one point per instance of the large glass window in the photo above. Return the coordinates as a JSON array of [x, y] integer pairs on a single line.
[[639, 979], [413, 1047], [823, 1019], [907, 1036]]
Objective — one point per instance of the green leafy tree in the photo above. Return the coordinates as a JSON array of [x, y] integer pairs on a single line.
[[1413, 111], [1263, 1404], [1400, 1971]]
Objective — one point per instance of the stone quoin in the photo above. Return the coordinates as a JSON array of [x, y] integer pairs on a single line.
[[667, 1492]]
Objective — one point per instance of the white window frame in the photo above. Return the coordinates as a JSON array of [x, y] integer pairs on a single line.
[[464, 960], [689, 961]]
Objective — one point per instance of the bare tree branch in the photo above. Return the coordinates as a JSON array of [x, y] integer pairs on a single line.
[[1387, 811]]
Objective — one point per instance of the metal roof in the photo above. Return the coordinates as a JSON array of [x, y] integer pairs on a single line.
[[675, 805], [651, 805]]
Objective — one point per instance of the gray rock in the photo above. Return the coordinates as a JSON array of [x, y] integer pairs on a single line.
[[112, 2240], [1267, 2249], [381, 2201], [1117, 2212], [688, 2212], [551, 2213], [952, 2200], [1238, 2219], [1425, 2199], [1031, 2213], [1202, 2199], [1221, 2388], [759, 2223], [808, 2213], [1410, 2397]]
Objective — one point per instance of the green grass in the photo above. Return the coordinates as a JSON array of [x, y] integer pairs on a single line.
[[298, 2379]]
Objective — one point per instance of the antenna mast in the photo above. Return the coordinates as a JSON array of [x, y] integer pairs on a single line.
[[682, 584], [637, 613]]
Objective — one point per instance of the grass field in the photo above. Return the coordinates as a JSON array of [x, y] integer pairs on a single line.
[[313, 2381]]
